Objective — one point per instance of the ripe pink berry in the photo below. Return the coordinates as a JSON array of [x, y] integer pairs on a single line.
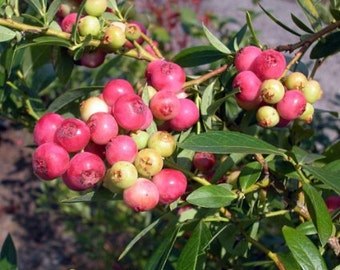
[[292, 105], [148, 119], [73, 134], [204, 161], [121, 148], [98, 149], [141, 196], [270, 64], [245, 57], [164, 75], [115, 89], [249, 85], [50, 161], [85, 171], [187, 117], [103, 127], [164, 105], [68, 22], [171, 185], [45, 127], [333, 202], [130, 112]]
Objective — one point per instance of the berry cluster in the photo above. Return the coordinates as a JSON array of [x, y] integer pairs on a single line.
[[91, 22], [278, 99], [109, 143]]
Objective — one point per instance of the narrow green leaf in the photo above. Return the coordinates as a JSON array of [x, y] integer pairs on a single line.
[[318, 212], [138, 237], [251, 29], [213, 107], [70, 96], [226, 142], [193, 254], [307, 228], [237, 39], [52, 41], [199, 55], [326, 46], [6, 34], [303, 157], [36, 4], [303, 250], [102, 194], [300, 24], [212, 196], [279, 23], [52, 10], [288, 261], [8, 255], [310, 10], [335, 13], [207, 98], [215, 41], [112, 4], [329, 178], [250, 174]]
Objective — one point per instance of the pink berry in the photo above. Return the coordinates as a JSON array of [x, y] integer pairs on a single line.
[[98, 149], [93, 59], [141, 196], [187, 116], [85, 171], [333, 202], [164, 75], [46, 127], [148, 119], [204, 161], [115, 89], [50, 161], [245, 57], [270, 64], [68, 22], [164, 105], [248, 84], [292, 105], [171, 185], [130, 112], [73, 134], [103, 127], [121, 148]]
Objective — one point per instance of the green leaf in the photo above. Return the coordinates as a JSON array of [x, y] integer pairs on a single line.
[[63, 64], [138, 237], [288, 261], [310, 10], [303, 250], [213, 107], [207, 98], [326, 46], [301, 25], [226, 142], [8, 255], [251, 29], [318, 212], [307, 228], [193, 254], [52, 41], [102, 194], [52, 10], [212, 196], [329, 178], [37, 5], [279, 23], [250, 174], [283, 168], [215, 41], [303, 157], [198, 55], [335, 13], [6, 34], [70, 96], [112, 4], [237, 38]]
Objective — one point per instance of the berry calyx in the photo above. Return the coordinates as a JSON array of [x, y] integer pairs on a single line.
[[164, 105], [148, 162], [122, 175]]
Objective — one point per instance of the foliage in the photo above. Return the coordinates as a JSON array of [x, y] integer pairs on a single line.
[[263, 206]]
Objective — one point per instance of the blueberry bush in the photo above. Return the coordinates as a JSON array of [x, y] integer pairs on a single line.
[[181, 145]]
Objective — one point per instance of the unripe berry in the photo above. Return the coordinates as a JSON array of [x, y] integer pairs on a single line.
[[245, 57], [187, 117], [148, 162], [308, 114], [122, 175], [95, 7], [86, 170], [312, 91], [295, 80], [46, 127], [163, 142], [114, 38], [171, 185], [204, 161], [116, 88], [103, 127], [91, 106], [121, 148], [292, 105], [267, 116], [50, 161], [164, 105], [73, 134], [249, 85], [270, 64], [141, 196], [67, 7], [272, 91], [89, 25], [132, 31], [140, 137]]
